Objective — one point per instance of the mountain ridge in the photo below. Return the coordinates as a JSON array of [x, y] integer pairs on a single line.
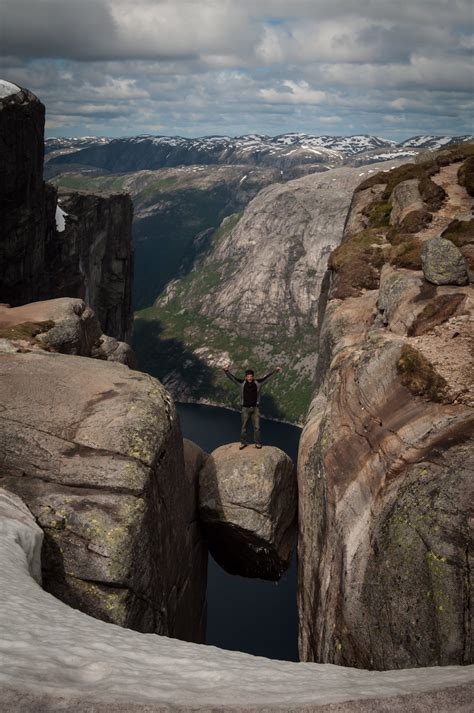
[[280, 151]]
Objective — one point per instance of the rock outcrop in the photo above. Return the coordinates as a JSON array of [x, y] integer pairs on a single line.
[[95, 450], [385, 541], [114, 670], [65, 325], [72, 247], [247, 504]]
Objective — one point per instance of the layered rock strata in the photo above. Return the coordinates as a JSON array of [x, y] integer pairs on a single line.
[[95, 450], [112, 669], [247, 504], [65, 325], [386, 455], [77, 246]]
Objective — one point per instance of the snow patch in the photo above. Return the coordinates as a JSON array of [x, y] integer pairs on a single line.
[[7, 89], [47, 647], [60, 219]]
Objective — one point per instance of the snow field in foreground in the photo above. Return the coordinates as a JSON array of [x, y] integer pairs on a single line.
[[47, 647]]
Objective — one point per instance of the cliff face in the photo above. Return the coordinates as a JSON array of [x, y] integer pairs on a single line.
[[173, 207], [93, 257], [386, 458], [99, 461], [27, 204], [45, 254], [253, 299]]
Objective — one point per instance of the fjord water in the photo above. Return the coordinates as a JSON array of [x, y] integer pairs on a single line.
[[246, 614]]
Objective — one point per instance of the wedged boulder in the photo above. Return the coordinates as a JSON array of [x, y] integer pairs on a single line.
[[405, 198], [247, 504], [99, 461], [66, 325], [443, 263]]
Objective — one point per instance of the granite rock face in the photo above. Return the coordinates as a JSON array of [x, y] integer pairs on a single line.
[[443, 263], [44, 253], [27, 204], [96, 260], [385, 495], [99, 461], [247, 504], [264, 270]]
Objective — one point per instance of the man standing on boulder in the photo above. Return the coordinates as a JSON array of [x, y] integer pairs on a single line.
[[250, 389]]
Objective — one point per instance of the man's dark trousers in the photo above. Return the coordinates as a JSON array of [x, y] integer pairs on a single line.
[[250, 412]]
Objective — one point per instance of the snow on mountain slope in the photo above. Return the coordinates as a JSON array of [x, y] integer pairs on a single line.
[[435, 142], [284, 151]]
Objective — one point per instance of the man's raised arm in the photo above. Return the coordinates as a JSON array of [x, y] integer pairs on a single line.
[[231, 376], [269, 376]]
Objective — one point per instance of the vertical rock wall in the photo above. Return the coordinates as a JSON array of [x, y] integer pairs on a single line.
[[99, 461], [90, 256], [386, 456]]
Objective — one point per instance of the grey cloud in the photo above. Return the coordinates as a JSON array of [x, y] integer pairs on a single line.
[[229, 66]]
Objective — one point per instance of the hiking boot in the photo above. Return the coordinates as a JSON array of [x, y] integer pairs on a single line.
[[242, 445], [258, 445]]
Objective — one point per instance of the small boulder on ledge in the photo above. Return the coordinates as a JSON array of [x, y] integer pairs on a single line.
[[443, 263], [248, 505]]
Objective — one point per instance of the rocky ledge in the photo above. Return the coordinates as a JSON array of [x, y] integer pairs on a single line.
[[66, 325], [247, 503]]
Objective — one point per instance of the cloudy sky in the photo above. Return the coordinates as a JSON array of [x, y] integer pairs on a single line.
[[194, 67]]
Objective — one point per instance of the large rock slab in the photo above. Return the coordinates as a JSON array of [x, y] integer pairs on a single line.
[[247, 503], [66, 325], [110, 669], [443, 263], [99, 461]]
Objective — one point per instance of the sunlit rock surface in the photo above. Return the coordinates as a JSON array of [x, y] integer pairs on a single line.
[[66, 325], [95, 450], [54, 658], [386, 455], [247, 503]]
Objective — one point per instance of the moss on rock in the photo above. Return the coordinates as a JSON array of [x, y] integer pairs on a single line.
[[25, 330], [419, 375], [406, 252], [460, 232], [357, 263], [466, 175], [415, 221]]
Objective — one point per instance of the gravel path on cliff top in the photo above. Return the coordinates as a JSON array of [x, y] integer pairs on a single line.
[[459, 202], [46, 647]]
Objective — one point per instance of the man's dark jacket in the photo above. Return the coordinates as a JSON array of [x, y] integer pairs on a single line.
[[249, 397]]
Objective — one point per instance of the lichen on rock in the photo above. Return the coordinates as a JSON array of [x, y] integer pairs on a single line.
[[247, 504]]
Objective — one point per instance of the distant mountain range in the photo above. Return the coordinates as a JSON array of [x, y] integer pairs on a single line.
[[284, 151]]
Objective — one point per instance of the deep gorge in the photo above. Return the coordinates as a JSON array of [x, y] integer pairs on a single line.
[[104, 503]]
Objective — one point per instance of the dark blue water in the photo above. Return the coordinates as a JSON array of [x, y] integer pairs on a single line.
[[246, 614]]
